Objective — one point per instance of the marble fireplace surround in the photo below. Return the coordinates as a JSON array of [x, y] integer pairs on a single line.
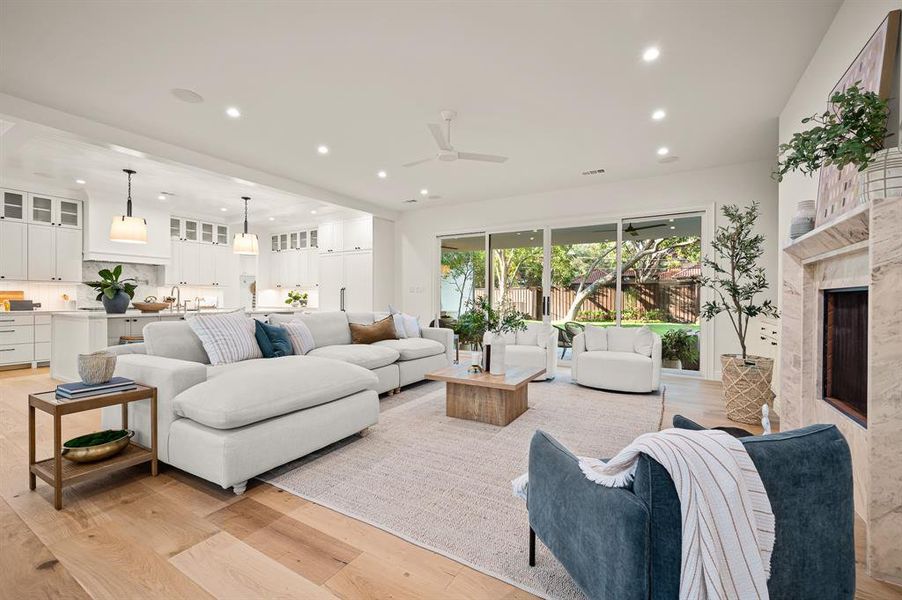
[[862, 248]]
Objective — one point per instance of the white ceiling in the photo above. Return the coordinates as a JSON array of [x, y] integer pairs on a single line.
[[559, 87], [41, 159]]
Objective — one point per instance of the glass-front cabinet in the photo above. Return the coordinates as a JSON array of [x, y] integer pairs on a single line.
[[222, 234], [313, 239], [12, 208], [206, 233], [192, 229], [42, 209], [275, 243], [69, 214], [175, 228]]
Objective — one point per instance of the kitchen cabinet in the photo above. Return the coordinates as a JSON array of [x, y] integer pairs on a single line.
[[330, 237], [12, 205], [346, 281], [53, 211], [119, 327], [13, 250], [24, 338], [357, 234], [54, 254]]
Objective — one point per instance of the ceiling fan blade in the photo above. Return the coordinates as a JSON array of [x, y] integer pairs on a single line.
[[439, 136], [483, 157], [647, 227], [418, 162]]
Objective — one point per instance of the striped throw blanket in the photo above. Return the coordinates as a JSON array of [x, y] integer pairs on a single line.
[[728, 526]]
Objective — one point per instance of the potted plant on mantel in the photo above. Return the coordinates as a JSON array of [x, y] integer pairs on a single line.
[[851, 132], [114, 292], [736, 281], [486, 324]]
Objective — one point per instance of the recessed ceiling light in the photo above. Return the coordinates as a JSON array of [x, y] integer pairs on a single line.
[[382, 174], [663, 151], [651, 54], [659, 114], [322, 149], [272, 218], [671, 220], [424, 192], [243, 181], [223, 209], [80, 181], [189, 96], [313, 212], [233, 112], [161, 197]]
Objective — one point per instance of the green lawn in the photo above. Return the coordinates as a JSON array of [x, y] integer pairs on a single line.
[[660, 327]]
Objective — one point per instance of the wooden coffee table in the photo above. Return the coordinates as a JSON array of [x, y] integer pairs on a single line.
[[494, 399]]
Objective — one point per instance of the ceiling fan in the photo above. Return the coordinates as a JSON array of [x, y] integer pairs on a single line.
[[630, 229], [446, 151]]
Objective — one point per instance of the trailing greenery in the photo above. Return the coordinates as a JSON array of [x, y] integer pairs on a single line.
[[109, 284], [679, 344], [296, 296], [97, 438], [481, 317], [849, 132], [737, 278]]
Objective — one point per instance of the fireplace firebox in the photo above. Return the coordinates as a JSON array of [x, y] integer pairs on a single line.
[[845, 358]]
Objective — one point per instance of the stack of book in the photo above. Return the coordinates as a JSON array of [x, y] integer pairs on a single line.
[[79, 389]]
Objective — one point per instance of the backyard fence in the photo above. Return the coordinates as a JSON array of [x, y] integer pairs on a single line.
[[676, 302]]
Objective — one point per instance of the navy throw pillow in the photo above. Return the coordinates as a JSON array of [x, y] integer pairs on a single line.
[[273, 341]]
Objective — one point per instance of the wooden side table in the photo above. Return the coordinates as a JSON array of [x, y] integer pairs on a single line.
[[60, 473]]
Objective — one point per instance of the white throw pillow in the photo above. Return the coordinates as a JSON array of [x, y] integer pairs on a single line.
[[621, 339], [644, 341], [301, 337], [399, 325], [596, 338], [226, 338], [411, 326]]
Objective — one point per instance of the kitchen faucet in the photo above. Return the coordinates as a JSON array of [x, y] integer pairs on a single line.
[[178, 297]]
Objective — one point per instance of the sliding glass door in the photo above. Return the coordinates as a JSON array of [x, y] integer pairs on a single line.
[[628, 272]]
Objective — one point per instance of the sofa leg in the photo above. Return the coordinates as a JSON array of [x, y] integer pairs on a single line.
[[239, 488], [398, 390], [532, 547], [364, 432]]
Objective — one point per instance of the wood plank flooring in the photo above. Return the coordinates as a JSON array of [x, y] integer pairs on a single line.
[[176, 536]]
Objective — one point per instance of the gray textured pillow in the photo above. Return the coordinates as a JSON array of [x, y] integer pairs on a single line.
[[301, 338]]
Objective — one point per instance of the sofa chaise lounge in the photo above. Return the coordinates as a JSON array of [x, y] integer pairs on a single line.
[[228, 423]]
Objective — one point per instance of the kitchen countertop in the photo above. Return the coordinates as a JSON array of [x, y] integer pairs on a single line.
[[99, 314]]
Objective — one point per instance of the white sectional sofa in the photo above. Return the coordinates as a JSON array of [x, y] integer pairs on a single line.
[[625, 359], [229, 423]]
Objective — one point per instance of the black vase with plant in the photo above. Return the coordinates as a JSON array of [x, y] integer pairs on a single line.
[[115, 293]]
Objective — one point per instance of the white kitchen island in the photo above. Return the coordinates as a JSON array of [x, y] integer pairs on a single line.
[[83, 331]]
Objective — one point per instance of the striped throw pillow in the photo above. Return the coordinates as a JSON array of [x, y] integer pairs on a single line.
[[301, 337], [226, 338]]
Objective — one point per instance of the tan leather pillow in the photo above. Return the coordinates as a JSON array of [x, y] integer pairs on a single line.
[[383, 329]]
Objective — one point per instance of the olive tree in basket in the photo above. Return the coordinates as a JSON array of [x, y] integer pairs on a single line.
[[737, 280]]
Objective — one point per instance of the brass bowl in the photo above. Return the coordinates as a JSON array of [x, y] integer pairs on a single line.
[[150, 307], [85, 454]]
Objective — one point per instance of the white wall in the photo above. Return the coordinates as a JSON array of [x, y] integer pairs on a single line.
[[417, 260], [853, 25]]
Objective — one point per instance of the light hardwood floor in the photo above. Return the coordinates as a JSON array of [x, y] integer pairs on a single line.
[[175, 536]]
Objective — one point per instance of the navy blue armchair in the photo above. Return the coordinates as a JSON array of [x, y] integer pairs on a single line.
[[625, 543]]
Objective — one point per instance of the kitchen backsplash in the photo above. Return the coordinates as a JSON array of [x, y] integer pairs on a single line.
[[52, 296]]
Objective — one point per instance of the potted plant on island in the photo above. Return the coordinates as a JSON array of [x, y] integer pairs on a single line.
[[296, 298], [736, 281], [114, 292], [483, 324], [677, 345], [851, 132]]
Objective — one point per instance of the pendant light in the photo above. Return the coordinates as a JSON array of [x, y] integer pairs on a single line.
[[245, 243], [126, 228]]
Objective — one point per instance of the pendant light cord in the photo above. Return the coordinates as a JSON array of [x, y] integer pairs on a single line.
[[245, 198], [128, 204]]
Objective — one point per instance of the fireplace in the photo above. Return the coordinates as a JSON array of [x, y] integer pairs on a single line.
[[845, 352]]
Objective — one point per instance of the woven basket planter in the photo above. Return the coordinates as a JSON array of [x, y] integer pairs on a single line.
[[746, 386]]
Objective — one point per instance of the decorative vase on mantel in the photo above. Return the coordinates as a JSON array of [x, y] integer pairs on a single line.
[[116, 305], [882, 178], [803, 220]]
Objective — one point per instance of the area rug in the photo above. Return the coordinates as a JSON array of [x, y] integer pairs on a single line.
[[444, 483]]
